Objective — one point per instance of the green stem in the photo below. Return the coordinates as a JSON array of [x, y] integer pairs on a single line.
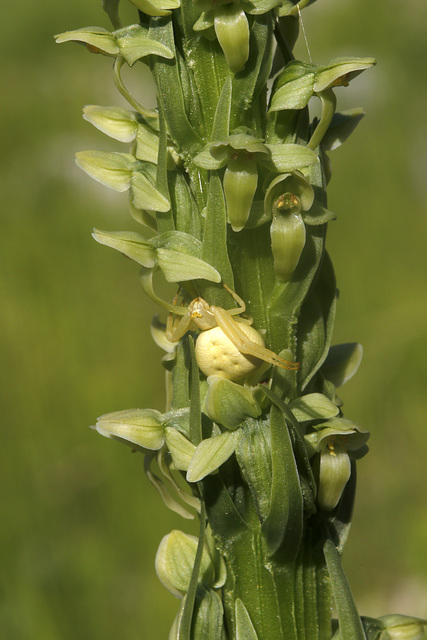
[[146, 113], [190, 598], [329, 103]]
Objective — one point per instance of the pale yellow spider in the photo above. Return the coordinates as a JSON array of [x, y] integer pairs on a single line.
[[226, 347]]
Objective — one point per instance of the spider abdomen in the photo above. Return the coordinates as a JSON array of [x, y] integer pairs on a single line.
[[218, 355]]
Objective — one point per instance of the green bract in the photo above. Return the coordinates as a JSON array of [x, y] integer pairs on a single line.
[[211, 454], [180, 448]]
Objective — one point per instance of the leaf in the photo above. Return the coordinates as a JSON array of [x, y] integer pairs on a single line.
[[170, 90], [221, 124], [244, 628], [208, 621], [284, 522], [214, 247], [253, 454], [195, 421], [211, 454], [348, 616], [165, 222], [248, 85], [316, 323]]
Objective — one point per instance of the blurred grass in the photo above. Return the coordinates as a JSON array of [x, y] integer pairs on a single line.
[[80, 524]]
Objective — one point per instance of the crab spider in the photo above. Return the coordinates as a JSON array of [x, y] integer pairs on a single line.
[[226, 346]]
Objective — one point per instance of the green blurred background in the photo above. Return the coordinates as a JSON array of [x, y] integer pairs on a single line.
[[80, 524]]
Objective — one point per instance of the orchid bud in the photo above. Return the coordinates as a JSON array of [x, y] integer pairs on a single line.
[[287, 233], [232, 30], [240, 183]]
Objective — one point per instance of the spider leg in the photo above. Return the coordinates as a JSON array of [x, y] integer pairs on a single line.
[[242, 306], [175, 331], [233, 332], [240, 309]]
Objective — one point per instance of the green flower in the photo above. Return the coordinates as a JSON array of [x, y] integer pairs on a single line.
[[400, 627], [156, 7], [140, 427], [240, 153], [299, 81], [132, 42], [175, 559], [289, 202], [337, 441], [227, 21]]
